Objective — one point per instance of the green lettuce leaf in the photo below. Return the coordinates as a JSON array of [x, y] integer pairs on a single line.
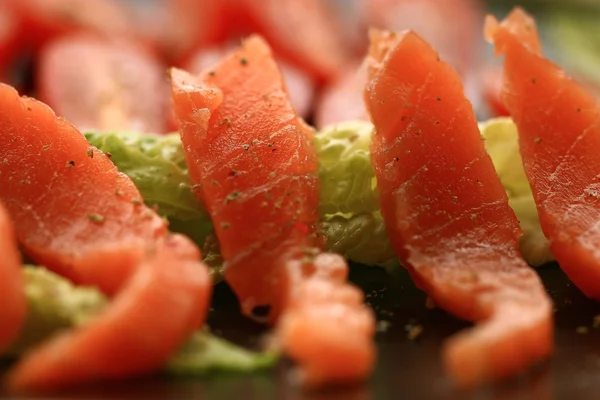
[[360, 238], [502, 144], [55, 304], [156, 164], [346, 176], [205, 353]]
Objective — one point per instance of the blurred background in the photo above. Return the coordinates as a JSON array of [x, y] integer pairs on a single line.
[[102, 63]]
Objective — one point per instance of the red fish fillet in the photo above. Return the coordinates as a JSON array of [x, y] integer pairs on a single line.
[[254, 166], [75, 214], [13, 307], [447, 213], [559, 136], [68, 201]]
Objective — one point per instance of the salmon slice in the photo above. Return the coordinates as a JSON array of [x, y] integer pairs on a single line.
[[13, 307], [299, 85], [68, 202], [559, 133], [249, 152], [158, 308], [76, 214], [447, 213], [253, 164]]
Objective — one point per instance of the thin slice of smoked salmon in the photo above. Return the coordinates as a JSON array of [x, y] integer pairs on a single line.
[[158, 308], [68, 202], [447, 213], [74, 213], [254, 166], [252, 162], [559, 137], [13, 306]]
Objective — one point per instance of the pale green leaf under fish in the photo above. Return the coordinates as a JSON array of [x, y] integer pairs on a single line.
[[205, 353], [502, 144], [346, 176]]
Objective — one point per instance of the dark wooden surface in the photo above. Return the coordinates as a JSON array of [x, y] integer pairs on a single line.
[[407, 369]]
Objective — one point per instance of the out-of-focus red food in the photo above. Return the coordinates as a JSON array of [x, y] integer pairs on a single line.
[[342, 100], [104, 84], [44, 20], [491, 84], [300, 86], [451, 26], [190, 25], [352, 23], [305, 32], [13, 307], [9, 40]]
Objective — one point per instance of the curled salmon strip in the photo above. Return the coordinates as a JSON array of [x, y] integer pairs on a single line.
[[253, 164], [558, 120], [77, 215], [447, 213], [68, 201]]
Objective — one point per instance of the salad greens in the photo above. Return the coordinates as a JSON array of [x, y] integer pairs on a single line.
[[204, 353], [156, 164], [502, 144], [55, 304], [347, 179], [349, 205], [361, 238]]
